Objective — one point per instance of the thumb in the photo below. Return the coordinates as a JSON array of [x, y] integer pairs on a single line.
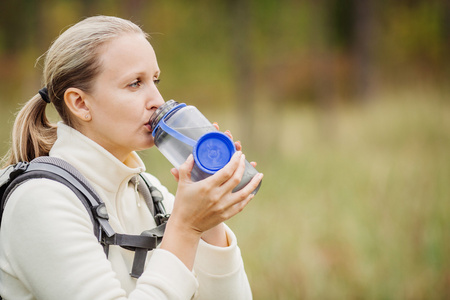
[[175, 174], [184, 172]]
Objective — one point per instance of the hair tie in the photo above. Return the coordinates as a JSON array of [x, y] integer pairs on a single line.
[[44, 94]]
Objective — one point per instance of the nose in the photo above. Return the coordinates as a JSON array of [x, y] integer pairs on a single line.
[[155, 98]]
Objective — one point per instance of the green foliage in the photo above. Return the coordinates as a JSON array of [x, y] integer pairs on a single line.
[[292, 46]]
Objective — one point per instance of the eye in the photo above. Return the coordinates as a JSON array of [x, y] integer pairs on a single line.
[[135, 84], [156, 81]]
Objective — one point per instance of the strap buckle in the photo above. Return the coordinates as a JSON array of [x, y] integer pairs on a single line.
[[161, 218], [19, 168], [100, 211]]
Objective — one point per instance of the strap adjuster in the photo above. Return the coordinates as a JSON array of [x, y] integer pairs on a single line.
[[161, 218], [19, 168], [100, 211]]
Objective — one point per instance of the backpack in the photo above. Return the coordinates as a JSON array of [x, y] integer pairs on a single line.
[[59, 170]]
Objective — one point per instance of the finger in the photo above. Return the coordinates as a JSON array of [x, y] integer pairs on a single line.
[[216, 125], [228, 133], [237, 176], [245, 194], [254, 164], [184, 172], [237, 206], [252, 185], [246, 191], [175, 174], [226, 172], [238, 145]]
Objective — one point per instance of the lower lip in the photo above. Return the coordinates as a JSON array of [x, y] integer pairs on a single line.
[[149, 128]]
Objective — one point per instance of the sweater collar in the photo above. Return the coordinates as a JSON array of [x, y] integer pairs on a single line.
[[93, 161]]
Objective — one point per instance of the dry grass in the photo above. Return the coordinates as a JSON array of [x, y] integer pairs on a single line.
[[357, 207]]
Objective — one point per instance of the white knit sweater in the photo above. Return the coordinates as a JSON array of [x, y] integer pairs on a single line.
[[48, 249]]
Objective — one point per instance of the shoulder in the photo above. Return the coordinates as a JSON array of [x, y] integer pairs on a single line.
[[37, 202], [43, 190]]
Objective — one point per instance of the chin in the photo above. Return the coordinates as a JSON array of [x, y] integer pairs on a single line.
[[146, 146]]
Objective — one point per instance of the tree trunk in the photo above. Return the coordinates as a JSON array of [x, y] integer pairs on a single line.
[[364, 37], [243, 67]]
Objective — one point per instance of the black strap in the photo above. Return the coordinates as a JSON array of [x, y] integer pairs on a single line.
[[140, 254], [140, 244], [131, 242]]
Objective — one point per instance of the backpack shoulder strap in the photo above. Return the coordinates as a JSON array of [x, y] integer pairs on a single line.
[[61, 171], [157, 198]]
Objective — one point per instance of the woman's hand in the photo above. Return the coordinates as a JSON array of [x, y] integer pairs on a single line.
[[201, 207], [204, 204], [216, 235]]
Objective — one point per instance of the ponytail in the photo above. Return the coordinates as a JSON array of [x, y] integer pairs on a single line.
[[32, 135]]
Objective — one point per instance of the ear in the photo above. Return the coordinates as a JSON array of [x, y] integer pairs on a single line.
[[76, 100]]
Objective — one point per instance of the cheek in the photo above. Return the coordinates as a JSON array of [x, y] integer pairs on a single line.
[[115, 114]]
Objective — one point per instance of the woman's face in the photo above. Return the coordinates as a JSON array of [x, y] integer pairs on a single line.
[[124, 96]]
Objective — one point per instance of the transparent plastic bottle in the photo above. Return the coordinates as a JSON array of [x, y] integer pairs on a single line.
[[180, 130]]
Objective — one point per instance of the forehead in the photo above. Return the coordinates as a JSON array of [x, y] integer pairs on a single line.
[[130, 53]]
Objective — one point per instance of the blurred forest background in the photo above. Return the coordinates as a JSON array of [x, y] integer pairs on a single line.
[[344, 104]]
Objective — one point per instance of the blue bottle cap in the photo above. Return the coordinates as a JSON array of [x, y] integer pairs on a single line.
[[213, 151]]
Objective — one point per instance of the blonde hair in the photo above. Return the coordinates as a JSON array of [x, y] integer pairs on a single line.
[[71, 61]]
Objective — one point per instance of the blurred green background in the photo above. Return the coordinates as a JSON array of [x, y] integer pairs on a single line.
[[344, 104]]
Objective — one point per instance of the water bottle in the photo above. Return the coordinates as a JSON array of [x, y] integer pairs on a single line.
[[180, 130]]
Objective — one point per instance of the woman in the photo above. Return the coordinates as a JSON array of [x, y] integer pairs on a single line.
[[101, 76]]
